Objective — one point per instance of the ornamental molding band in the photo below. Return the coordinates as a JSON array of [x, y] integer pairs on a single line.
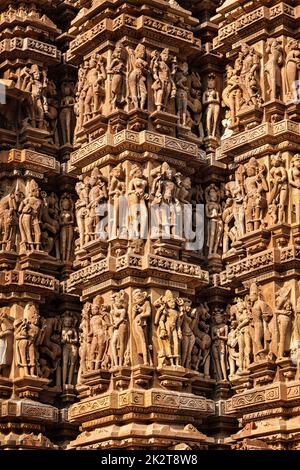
[[149, 224]]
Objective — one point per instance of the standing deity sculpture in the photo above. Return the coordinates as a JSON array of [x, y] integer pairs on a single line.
[[81, 207], [28, 336], [201, 353], [94, 87], [66, 114], [241, 316], [294, 181], [137, 197], [50, 350], [219, 336], [69, 341], [119, 320], [230, 234], [66, 222], [85, 340], [231, 99], [272, 69], [117, 73], [141, 313], [195, 108], [169, 333], [164, 202], [9, 205], [164, 86], [36, 85], [51, 110], [232, 343], [211, 103], [116, 192], [50, 224], [188, 318], [30, 210], [79, 107], [137, 78], [284, 313], [278, 196], [291, 70], [6, 341], [99, 334], [97, 206], [213, 211], [182, 88], [260, 319], [247, 65], [255, 201]]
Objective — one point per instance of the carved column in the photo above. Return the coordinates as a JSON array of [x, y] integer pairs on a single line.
[[36, 228], [138, 134], [260, 99]]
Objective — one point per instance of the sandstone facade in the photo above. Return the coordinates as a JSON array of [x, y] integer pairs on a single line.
[[149, 224]]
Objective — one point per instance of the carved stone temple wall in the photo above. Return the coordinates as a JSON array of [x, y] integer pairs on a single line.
[[149, 224]]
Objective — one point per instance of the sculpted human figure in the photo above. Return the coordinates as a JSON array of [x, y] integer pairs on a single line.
[[219, 336], [117, 72], [255, 201], [231, 97], [141, 313], [248, 66], [51, 110], [69, 341], [211, 102], [50, 349], [278, 188], [116, 192], [79, 107], [202, 347], [81, 207], [164, 192], [30, 211], [136, 198], [232, 343], [50, 223], [66, 222], [213, 211], [169, 333], [6, 340], [119, 320], [260, 315], [99, 333], [97, 206], [294, 181], [28, 336], [195, 107], [164, 86], [284, 312], [187, 320], [94, 87], [243, 318], [66, 114], [85, 338], [36, 86], [291, 74], [137, 79], [182, 88], [272, 69], [9, 222], [230, 229]]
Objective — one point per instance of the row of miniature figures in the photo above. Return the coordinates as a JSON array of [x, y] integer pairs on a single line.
[[125, 203], [136, 79], [167, 333]]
